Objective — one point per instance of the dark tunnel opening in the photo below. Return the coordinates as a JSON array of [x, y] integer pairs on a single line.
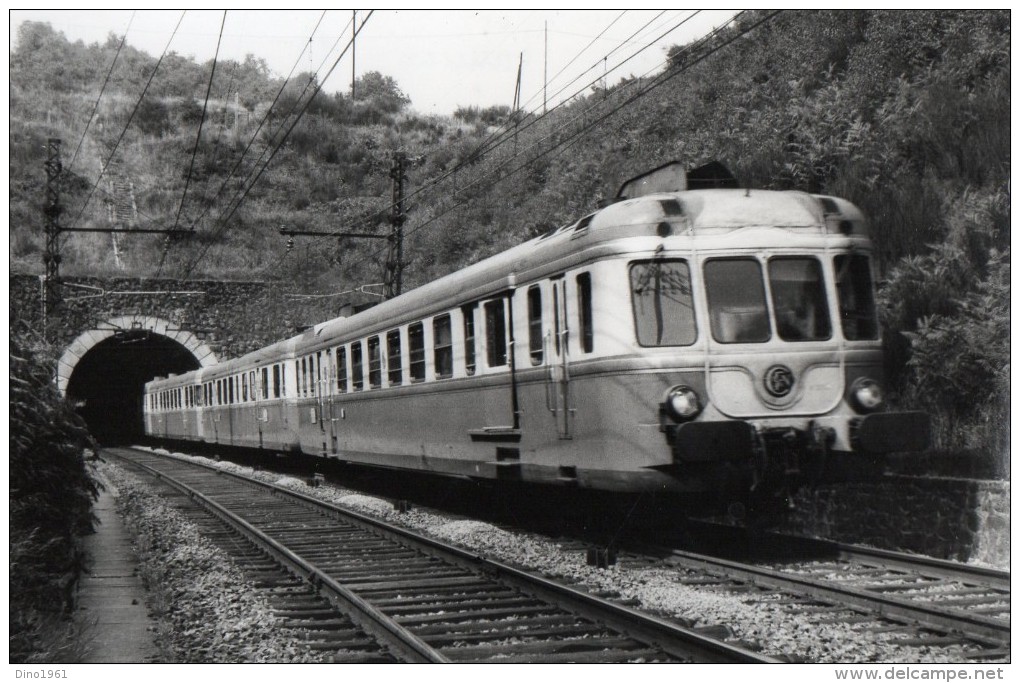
[[107, 384]]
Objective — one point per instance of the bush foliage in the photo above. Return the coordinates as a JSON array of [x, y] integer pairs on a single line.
[[50, 496]]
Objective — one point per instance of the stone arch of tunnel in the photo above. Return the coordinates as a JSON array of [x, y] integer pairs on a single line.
[[103, 372]]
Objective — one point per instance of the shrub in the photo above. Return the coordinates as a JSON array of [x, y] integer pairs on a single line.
[[50, 497]]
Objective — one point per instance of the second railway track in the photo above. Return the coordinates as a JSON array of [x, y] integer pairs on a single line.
[[429, 602]]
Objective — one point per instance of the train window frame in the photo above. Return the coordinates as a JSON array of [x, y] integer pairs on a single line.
[[357, 367], [494, 314], [765, 309], [442, 346], [692, 328], [416, 352], [340, 355], [265, 383], [585, 312], [277, 383], [375, 369], [470, 338], [394, 358], [792, 323], [536, 336]]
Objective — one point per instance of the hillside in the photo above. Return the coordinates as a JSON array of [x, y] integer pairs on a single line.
[[904, 113]]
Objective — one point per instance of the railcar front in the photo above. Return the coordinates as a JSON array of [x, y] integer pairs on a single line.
[[755, 356]]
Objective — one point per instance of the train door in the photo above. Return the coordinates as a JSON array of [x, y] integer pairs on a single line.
[[330, 397], [558, 378], [258, 388]]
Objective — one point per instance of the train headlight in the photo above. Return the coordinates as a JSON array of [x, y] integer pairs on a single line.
[[867, 395], [683, 403]]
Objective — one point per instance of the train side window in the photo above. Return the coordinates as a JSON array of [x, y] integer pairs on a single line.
[[856, 297], [535, 324], [276, 380], [374, 363], [395, 366], [495, 332], [230, 393], [587, 336], [416, 342], [265, 382], [357, 376], [244, 389], [736, 301], [303, 381], [663, 305], [341, 369], [469, 338], [283, 379], [442, 345]]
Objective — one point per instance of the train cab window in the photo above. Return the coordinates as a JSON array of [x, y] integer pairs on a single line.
[[374, 363], [798, 298], [663, 305], [357, 376], [495, 333], [341, 369], [442, 346], [469, 338], [535, 324], [393, 357], [736, 301], [416, 342], [856, 297]]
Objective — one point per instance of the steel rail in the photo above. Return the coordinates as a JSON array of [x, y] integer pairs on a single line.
[[382, 627], [983, 629], [680, 642]]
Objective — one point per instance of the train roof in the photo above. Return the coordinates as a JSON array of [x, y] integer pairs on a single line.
[[686, 213]]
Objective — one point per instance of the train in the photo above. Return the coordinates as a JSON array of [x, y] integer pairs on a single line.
[[690, 337]]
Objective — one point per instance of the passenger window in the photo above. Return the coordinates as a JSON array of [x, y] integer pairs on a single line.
[[469, 338], [276, 380], [535, 324], [416, 341], [495, 333], [357, 377], [304, 377], [374, 363], [230, 397], [584, 312], [341, 369], [736, 301], [393, 357], [265, 382], [442, 341], [663, 306]]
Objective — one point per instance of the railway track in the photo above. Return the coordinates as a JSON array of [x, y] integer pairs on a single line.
[[420, 600], [953, 603]]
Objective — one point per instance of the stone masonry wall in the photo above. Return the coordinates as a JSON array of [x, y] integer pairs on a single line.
[[951, 518], [232, 318]]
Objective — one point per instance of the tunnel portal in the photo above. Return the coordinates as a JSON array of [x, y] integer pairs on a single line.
[[107, 384], [103, 372]]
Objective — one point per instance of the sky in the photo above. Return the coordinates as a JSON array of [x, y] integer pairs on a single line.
[[442, 59]]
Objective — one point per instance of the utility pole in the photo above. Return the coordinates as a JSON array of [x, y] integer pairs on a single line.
[[51, 212], [354, 27], [545, 70], [395, 259], [394, 268]]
